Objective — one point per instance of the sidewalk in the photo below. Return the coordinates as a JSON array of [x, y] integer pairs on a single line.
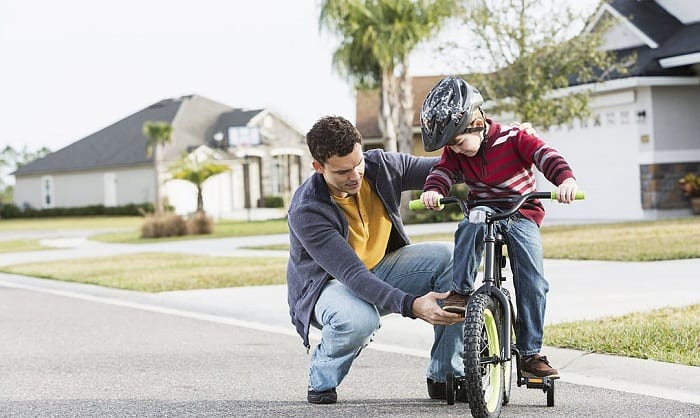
[[579, 290]]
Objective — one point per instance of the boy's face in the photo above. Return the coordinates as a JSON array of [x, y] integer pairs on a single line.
[[469, 142], [344, 174]]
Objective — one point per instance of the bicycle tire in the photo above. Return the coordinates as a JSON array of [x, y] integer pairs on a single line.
[[484, 376]]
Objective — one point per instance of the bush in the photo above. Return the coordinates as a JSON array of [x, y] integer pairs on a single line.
[[200, 224], [12, 211], [163, 225], [9, 211], [271, 202]]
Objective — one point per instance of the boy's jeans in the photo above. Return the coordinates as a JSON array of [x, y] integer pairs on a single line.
[[348, 323], [526, 262]]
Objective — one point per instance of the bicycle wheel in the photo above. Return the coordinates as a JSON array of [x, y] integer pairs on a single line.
[[508, 375], [482, 350]]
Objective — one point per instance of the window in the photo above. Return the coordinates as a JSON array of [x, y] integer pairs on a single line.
[[47, 200], [243, 135]]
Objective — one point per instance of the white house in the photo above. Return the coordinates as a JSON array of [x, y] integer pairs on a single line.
[[645, 132], [268, 157]]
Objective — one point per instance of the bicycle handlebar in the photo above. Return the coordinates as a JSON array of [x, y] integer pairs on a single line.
[[517, 202]]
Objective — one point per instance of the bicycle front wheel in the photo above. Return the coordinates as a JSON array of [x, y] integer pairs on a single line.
[[483, 370]]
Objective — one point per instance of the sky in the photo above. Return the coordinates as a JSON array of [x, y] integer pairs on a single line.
[[72, 67]]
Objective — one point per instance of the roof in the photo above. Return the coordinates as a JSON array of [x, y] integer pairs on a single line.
[[663, 37], [123, 144], [367, 105]]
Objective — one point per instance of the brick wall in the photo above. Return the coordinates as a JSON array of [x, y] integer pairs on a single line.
[[660, 185]]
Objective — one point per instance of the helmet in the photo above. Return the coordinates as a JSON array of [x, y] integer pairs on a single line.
[[447, 110]]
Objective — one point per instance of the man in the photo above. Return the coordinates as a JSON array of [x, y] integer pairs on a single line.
[[351, 262]]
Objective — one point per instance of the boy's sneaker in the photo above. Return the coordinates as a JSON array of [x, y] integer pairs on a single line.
[[538, 366], [456, 303], [325, 397]]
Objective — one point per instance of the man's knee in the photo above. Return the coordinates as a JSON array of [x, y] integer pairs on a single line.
[[354, 329]]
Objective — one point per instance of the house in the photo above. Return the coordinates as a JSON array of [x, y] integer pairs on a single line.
[[267, 156], [645, 130]]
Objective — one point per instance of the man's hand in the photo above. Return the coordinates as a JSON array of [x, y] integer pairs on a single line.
[[427, 309]]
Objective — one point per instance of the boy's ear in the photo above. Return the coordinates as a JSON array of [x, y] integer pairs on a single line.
[[318, 167]]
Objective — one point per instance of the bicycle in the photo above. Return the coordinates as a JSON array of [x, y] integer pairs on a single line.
[[489, 332]]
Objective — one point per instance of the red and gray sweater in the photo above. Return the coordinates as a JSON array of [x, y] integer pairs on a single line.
[[502, 167]]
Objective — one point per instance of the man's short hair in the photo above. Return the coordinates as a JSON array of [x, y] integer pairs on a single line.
[[332, 135]]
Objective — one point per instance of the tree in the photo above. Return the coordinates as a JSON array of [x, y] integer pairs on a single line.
[[10, 160], [521, 51], [191, 169], [157, 134], [376, 39]]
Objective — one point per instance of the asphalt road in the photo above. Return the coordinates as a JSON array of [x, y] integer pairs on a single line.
[[67, 357]]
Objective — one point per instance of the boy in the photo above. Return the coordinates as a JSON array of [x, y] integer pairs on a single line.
[[494, 161]]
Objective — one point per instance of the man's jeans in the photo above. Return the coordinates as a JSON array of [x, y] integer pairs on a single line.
[[348, 323], [526, 262]]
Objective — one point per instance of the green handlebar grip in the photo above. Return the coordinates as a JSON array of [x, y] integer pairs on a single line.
[[580, 195], [415, 204]]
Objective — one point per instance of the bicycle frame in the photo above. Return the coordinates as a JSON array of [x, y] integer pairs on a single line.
[[491, 277]]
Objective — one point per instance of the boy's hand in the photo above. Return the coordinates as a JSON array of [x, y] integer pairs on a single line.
[[431, 200], [527, 127], [427, 309], [566, 192]]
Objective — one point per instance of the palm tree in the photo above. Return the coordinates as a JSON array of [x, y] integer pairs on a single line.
[[377, 37], [157, 134], [190, 169]]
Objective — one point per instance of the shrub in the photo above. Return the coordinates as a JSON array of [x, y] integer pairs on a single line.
[[271, 202], [166, 224], [200, 224], [690, 185]]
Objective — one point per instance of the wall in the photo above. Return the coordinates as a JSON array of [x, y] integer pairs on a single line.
[[84, 188]]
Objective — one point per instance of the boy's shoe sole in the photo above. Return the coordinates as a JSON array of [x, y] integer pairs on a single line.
[[326, 397], [455, 309]]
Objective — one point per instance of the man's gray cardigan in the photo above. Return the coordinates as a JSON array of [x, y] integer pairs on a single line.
[[318, 231]]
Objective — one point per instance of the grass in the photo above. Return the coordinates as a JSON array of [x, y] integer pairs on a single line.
[[151, 272], [95, 222], [18, 245], [670, 239], [669, 334], [222, 229]]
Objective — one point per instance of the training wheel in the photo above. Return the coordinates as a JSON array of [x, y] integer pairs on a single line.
[[450, 388], [550, 393]]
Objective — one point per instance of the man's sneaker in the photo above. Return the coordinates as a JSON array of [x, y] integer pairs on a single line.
[[538, 366], [325, 397], [456, 303], [437, 390]]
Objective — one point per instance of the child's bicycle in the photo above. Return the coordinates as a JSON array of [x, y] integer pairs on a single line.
[[489, 334]]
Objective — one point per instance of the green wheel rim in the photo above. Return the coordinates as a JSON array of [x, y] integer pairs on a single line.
[[495, 373]]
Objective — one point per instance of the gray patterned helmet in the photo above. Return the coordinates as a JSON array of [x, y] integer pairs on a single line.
[[447, 111]]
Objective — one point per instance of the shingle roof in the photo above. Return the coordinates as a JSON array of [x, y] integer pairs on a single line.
[[120, 144], [672, 36]]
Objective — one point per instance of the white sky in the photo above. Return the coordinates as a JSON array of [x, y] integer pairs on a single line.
[[72, 67]]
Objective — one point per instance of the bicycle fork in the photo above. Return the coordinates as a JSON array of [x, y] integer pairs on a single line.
[[494, 291]]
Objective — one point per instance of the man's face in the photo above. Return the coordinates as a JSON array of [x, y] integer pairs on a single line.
[[469, 142], [344, 174]]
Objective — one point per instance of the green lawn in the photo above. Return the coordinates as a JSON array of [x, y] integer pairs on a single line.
[[669, 334]]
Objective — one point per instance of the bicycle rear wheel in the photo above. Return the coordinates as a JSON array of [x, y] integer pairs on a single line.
[[484, 376]]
